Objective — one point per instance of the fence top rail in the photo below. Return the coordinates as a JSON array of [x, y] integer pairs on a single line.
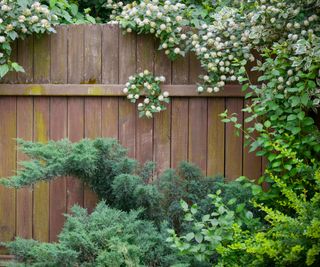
[[184, 90]]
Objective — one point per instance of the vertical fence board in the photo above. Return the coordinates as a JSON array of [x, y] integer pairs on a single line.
[[198, 121], [162, 121], [42, 60], [24, 195], [162, 65], [179, 131], [25, 59], [75, 53], [7, 165], [75, 133], [59, 64], [180, 114], [216, 137], [127, 111], [144, 138], [58, 130], [195, 68], [92, 130], [110, 74], [41, 190], [234, 145], [110, 54], [92, 53], [251, 162]]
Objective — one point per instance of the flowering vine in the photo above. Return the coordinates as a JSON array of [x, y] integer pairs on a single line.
[[146, 84], [18, 19]]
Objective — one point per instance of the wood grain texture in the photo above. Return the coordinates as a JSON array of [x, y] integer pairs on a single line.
[[127, 111], [216, 137], [110, 117], [179, 131], [92, 130], [179, 90], [144, 138], [59, 63], [42, 59], [75, 133], [7, 165], [25, 59], [198, 123], [41, 190], [92, 53], [234, 144], [75, 54], [58, 198], [180, 70], [110, 54], [24, 195]]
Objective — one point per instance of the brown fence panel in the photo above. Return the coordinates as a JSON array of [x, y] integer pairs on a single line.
[[78, 77]]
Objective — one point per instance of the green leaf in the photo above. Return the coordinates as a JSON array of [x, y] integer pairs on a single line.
[[17, 67], [199, 237], [4, 69]]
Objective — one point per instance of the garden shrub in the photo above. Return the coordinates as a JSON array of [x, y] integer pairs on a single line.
[[106, 237]]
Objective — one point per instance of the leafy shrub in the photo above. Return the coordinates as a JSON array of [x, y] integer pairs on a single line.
[[106, 237]]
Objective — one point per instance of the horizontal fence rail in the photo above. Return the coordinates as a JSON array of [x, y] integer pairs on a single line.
[[72, 88]]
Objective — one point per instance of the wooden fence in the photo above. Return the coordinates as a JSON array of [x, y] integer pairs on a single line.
[[72, 89]]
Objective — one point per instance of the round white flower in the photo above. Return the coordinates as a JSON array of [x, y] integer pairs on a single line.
[[163, 27], [164, 46], [136, 96], [162, 78], [21, 19], [130, 96], [2, 39], [206, 77], [183, 36], [146, 72], [148, 114], [125, 90], [177, 50], [160, 97], [165, 94], [216, 89], [158, 109], [129, 30], [209, 90], [146, 101], [200, 89]]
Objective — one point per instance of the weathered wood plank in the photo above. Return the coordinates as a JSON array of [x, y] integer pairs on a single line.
[[106, 90], [198, 122], [76, 54], [195, 69], [216, 137], [92, 53], [127, 111], [179, 131], [162, 65], [25, 59], [110, 54], [75, 133], [7, 165], [180, 70], [59, 58], [92, 130], [24, 195], [58, 198], [144, 138], [110, 117], [42, 59], [41, 190], [234, 144]]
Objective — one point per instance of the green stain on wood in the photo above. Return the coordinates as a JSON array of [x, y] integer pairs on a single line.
[[95, 91], [35, 90]]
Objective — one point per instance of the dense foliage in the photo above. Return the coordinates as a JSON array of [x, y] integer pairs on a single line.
[[123, 185], [106, 237]]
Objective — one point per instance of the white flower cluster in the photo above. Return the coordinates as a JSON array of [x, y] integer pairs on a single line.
[[18, 19], [166, 21], [146, 84]]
